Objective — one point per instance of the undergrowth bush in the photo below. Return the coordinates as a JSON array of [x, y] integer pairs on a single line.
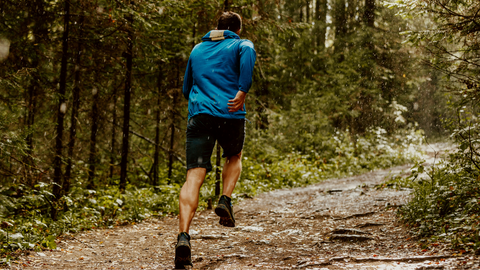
[[26, 222], [445, 205]]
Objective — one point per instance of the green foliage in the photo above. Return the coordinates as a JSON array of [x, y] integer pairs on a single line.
[[445, 206], [27, 223], [295, 76], [447, 38], [13, 147], [446, 197]]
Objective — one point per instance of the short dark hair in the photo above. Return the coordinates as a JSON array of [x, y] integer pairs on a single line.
[[230, 21]]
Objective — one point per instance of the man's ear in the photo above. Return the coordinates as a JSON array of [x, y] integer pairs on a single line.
[[238, 32]]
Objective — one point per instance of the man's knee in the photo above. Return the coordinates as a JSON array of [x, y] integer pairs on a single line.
[[196, 175], [197, 171]]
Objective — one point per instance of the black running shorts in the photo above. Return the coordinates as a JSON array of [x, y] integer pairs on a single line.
[[202, 132]]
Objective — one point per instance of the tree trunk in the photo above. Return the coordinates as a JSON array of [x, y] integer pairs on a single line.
[[263, 103], [225, 6], [321, 23], [217, 171], [301, 12], [369, 13], [173, 119], [126, 106], [308, 10], [365, 100], [93, 141], [156, 156], [194, 33], [31, 102], [30, 121], [40, 30], [340, 21], [351, 10], [62, 107], [172, 137], [114, 135], [75, 106]]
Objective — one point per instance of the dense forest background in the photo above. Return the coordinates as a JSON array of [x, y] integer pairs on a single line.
[[90, 89], [92, 115]]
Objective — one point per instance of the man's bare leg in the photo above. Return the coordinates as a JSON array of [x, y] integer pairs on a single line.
[[189, 194], [231, 172]]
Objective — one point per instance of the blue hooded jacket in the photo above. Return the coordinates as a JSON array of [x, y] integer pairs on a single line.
[[217, 69]]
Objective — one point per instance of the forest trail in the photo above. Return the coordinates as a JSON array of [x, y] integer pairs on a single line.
[[337, 224]]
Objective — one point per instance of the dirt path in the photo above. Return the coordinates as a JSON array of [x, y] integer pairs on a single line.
[[338, 224]]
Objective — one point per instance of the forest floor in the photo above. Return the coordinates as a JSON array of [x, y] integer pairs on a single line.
[[337, 224]]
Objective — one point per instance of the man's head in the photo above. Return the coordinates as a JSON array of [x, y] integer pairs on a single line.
[[230, 21]]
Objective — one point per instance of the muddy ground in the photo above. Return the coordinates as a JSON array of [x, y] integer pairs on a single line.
[[337, 224]]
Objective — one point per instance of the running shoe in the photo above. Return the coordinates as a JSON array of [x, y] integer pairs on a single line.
[[224, 210], [183, 251]]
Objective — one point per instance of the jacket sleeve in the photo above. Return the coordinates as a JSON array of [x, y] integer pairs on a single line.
[[247, 62], [188, 80]]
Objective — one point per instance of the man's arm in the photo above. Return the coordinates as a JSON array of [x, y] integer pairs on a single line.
[[247, 62], [188, 80]]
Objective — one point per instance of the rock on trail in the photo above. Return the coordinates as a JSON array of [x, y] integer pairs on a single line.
[[337, 224]]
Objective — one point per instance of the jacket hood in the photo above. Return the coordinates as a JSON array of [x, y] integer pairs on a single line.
[[216, 35]]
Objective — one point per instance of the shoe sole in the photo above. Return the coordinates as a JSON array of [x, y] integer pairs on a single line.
[[182, 257], [225, 217]]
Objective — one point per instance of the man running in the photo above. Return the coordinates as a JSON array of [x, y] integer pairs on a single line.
[[217, 79]]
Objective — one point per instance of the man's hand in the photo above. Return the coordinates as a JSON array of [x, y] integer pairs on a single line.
[[237, 103]]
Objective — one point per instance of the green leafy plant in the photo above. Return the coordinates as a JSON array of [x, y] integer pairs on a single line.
[[26, 222], [445, 206]]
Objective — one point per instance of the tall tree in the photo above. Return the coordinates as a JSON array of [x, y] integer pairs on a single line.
[[37, 25], [113, 137], [126, 102], [75, 105], [340, 23], [156, 154], [173, 116], [226, 6], [307, 6], [369, 13], [352, 24], [218, 171], [62, 107], [92, 160], [321, 23], [366, 99]]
